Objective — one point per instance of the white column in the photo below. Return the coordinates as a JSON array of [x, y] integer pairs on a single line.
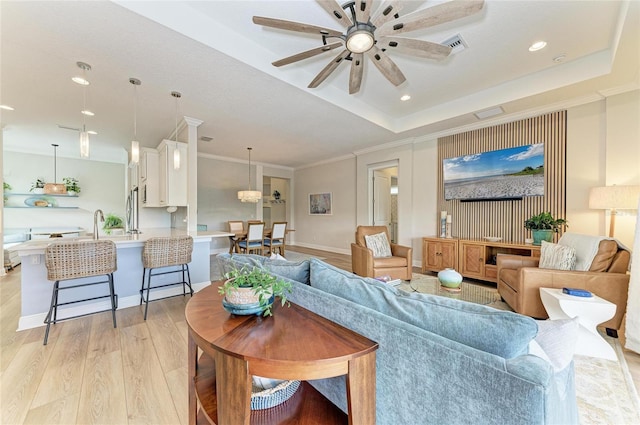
[[192, 171]]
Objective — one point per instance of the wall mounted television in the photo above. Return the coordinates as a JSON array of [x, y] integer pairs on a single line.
[[505, 174]]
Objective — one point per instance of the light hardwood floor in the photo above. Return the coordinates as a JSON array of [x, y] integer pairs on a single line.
[[91, 373]]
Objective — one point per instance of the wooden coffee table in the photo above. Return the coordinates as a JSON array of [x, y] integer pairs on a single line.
[[293, 344]]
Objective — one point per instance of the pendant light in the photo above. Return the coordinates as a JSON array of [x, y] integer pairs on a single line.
[[135, 145], [55, 188], [249, 195], [84, 136], [176, 150]]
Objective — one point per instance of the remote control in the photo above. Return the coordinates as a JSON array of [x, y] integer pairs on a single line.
[[577, 292]]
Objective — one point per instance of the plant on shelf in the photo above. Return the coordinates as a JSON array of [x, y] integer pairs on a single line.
[[112, 221], [71, 184], [543, 226], [253, 286], [5, 188], [37, 186]]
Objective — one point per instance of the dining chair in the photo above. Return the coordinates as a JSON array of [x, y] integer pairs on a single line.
[[254, 240], [276, 239], [237, 227]]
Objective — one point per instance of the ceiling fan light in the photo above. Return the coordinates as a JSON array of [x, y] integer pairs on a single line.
[[360, 41]]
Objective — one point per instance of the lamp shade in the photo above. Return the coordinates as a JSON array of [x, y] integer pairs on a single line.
[[614, 197], [249, 195]]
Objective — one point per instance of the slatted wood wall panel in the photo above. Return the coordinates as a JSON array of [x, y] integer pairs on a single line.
[[474, 220]]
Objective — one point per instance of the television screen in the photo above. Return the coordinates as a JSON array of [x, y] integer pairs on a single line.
[[502, 174]]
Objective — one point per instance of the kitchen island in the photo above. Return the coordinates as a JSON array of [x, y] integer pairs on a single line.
[[36, 289]]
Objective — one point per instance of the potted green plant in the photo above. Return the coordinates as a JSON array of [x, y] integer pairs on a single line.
[[71, 184], [252, 291], [5, 188], [37, 187], [112, 221], [543, 226]]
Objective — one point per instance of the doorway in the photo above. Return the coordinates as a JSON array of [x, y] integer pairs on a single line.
[[383, 197], [275, 194]]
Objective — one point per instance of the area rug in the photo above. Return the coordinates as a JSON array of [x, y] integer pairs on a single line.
[[605, 390]]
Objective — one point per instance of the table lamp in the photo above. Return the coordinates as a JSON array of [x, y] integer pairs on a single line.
[[614, 198]]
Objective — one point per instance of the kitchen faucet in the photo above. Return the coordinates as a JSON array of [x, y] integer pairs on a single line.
[[95, 223]]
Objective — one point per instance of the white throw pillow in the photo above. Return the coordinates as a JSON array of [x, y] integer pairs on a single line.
[[379, 244], [557, 338], [558, 257], [276, 256]]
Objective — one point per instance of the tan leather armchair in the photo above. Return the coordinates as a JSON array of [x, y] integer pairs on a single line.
[[520, 280], [398, 266]]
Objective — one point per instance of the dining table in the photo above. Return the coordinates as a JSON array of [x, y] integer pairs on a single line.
[[240, 236]]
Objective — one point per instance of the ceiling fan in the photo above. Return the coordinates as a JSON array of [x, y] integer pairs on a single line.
[[373, 35]]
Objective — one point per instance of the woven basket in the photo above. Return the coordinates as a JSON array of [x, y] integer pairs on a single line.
[[266, 399]]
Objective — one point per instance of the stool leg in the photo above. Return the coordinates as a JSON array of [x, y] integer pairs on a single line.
[[144, 271], [184, 288], [189, 280], [54, 306], [146, 307], [113, 299]]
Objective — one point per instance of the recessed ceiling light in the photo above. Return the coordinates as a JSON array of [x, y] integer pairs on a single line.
[[537, 46], [405, 97], [92, 132], [87, 113], [81, 81], [7, 107]]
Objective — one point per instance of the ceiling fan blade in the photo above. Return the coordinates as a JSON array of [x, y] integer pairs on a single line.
[[355, 77], [411, 46], [386, 66], [334, 9], [386, 12], [432, 16], [363, 10], [294, 26], [328, 69], [306, 54]]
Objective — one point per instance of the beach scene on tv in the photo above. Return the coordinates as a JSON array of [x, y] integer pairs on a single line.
[[500, 174]]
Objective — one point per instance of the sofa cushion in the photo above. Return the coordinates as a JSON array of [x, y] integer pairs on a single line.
[[557, 338], [298, 271], [620, 262], [606, 251], [502, 333], [228, 261], [379, 244], [557, 257], [387, 262]]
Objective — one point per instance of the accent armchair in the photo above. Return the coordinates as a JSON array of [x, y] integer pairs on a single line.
[[520, 280], [363, 262]]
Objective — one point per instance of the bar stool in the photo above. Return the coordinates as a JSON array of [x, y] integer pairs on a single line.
[[161, 253], [75, 260]]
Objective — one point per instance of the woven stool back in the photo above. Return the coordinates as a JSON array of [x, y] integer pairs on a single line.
[[163, 252], [72, 260]]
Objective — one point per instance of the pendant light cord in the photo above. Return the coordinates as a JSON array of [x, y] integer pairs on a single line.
[[249, 149]]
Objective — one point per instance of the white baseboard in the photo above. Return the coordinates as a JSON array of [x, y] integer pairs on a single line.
[[37, 320]]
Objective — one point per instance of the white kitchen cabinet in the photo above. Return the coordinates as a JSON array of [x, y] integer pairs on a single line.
[[149, 188], [172, 180]]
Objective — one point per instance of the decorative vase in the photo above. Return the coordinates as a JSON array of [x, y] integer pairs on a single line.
[[540, 235], [71, 193], [38, 191], [449, 278], [243, 301]]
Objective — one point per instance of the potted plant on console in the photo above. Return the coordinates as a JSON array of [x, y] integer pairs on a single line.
[[72, 186], [543, 226], [111, 222], [250, 291]]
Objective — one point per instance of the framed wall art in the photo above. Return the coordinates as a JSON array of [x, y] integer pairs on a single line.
[[320, 203]]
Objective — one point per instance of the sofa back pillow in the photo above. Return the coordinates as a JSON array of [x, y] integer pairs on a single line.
[[606, 251], [557, 257], [378, 244], [298, 271], [502, 333]]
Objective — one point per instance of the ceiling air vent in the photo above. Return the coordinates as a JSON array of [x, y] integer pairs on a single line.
[[456, 43], [206, 138]]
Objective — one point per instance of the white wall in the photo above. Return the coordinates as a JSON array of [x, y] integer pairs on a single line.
[[603, 148], [329, 232], [102, 184]]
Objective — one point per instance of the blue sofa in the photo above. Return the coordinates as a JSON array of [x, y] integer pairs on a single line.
[[440, 360]]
